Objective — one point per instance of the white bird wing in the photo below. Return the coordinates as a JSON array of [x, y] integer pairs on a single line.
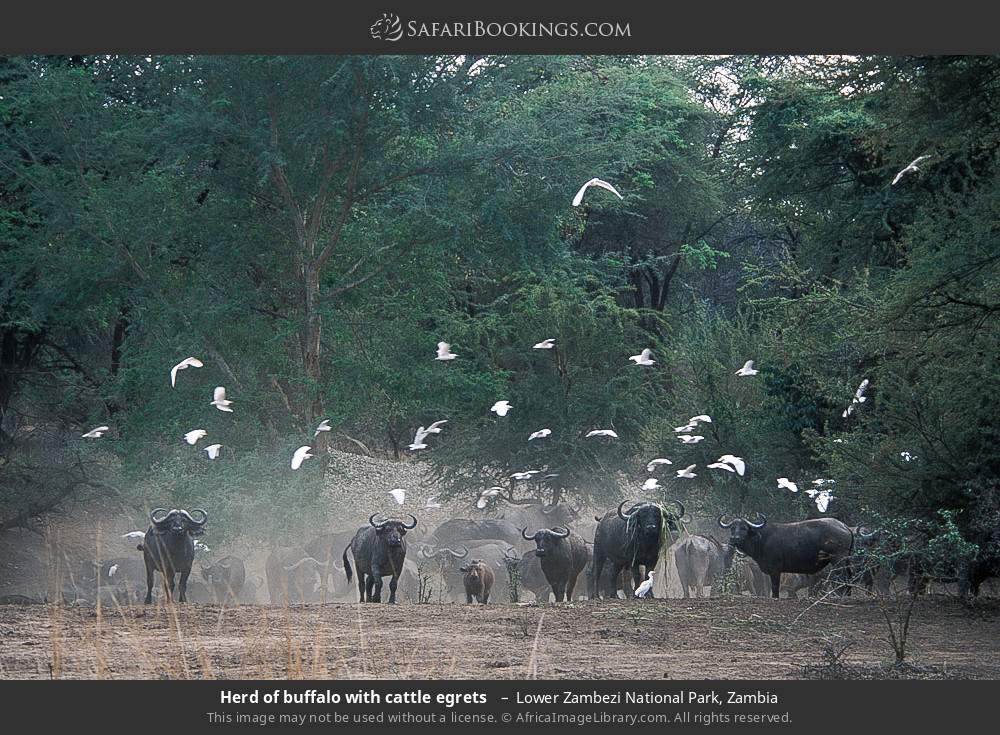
[[300, 456], [736, 462], [651, 465], [324, 425], [399, 494], [219, 394], [213, 450], [695, 420], [578, 199], [435, 428], [748, 365], [721, 466], [860, 392], [650, 484]]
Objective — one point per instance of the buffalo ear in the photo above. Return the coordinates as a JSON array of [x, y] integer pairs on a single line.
[[463, 569]]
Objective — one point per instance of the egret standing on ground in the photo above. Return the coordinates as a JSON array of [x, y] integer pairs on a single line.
[[644, 589]]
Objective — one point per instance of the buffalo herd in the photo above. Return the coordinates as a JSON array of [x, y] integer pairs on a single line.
[[536, 549]]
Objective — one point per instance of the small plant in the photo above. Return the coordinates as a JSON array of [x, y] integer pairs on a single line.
[[513, 578], [425, 588]]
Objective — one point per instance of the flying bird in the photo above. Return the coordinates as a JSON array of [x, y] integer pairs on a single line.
[[422, 434], [594, 182], [700, 418], [687, 472], [192, 437], [685, 429], [324, 425], [523, 475], [821, 482], [435, 428], [788, 484], [911, 168], [431, 503], [603, 432], [300, 456], [398, 494], [747, 369], [219, 400], [643, 589], [501, 408], [201, 546], [183, 365], [737, 462], [907, 457], [643, 358], [721, 466], [859, 397], [444, 352], [689, 439], [540, 434], [213, 450], [545, 344], [654, 463], [486, 495], [822, 498], [134, 535], [651, 484], [96, 433]]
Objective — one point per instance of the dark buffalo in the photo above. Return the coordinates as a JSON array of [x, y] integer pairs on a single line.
[[803, 547], [495, 554], [168, 548], [292, 575], [536, 514], [563, 555], [326, 548], [701, 561], [226, 577], [379, 550], [462, 530], [630, 540], [478, 581]]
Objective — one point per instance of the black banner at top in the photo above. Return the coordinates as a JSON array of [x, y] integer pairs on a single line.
[[445, 26]]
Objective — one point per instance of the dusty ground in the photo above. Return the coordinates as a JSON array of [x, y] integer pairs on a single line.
[[708, 638]]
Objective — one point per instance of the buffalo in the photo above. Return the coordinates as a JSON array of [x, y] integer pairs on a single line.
[[462, 530], [326, 548], [563, 555], [379, 550], [168, 548], [478, 581], [226, 577], [803, 547], [630, 540], [292, 575], [495, 554], [701, 561]]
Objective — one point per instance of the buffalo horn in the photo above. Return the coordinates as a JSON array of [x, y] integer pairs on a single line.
[[525, 536], [623, 516], [761, 524], [412, 525], [557, 534], [724, 525]]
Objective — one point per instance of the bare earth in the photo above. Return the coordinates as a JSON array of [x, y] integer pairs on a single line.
[[737, 638]]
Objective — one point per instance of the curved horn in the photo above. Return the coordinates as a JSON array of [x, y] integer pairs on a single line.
[[511, 554], [761, 524], [424, 554], [371, 521], [623, 516], [457, 555], [204, 516], [152, 515], [724, 525], [680, 507], [525, 536], [556, 533], [863, 529], [306, 560], [412, 525]]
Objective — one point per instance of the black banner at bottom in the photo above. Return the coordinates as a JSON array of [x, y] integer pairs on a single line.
[[424, 706]]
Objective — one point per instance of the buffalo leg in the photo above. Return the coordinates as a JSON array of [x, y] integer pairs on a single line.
[[393, 583], [570, 585], [184, 585], [468, 598], [595, 577], [775, 585], [361, 587], [485, 597], [150, 576], [370, 588], [377, 586]]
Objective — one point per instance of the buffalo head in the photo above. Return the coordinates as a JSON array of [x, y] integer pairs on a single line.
[[545, 538], [178, 522], [443, 554], [740, 529], [648, 519], [392, 530]]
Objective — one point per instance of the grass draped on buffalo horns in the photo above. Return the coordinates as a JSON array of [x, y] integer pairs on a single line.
[[666, 536]]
